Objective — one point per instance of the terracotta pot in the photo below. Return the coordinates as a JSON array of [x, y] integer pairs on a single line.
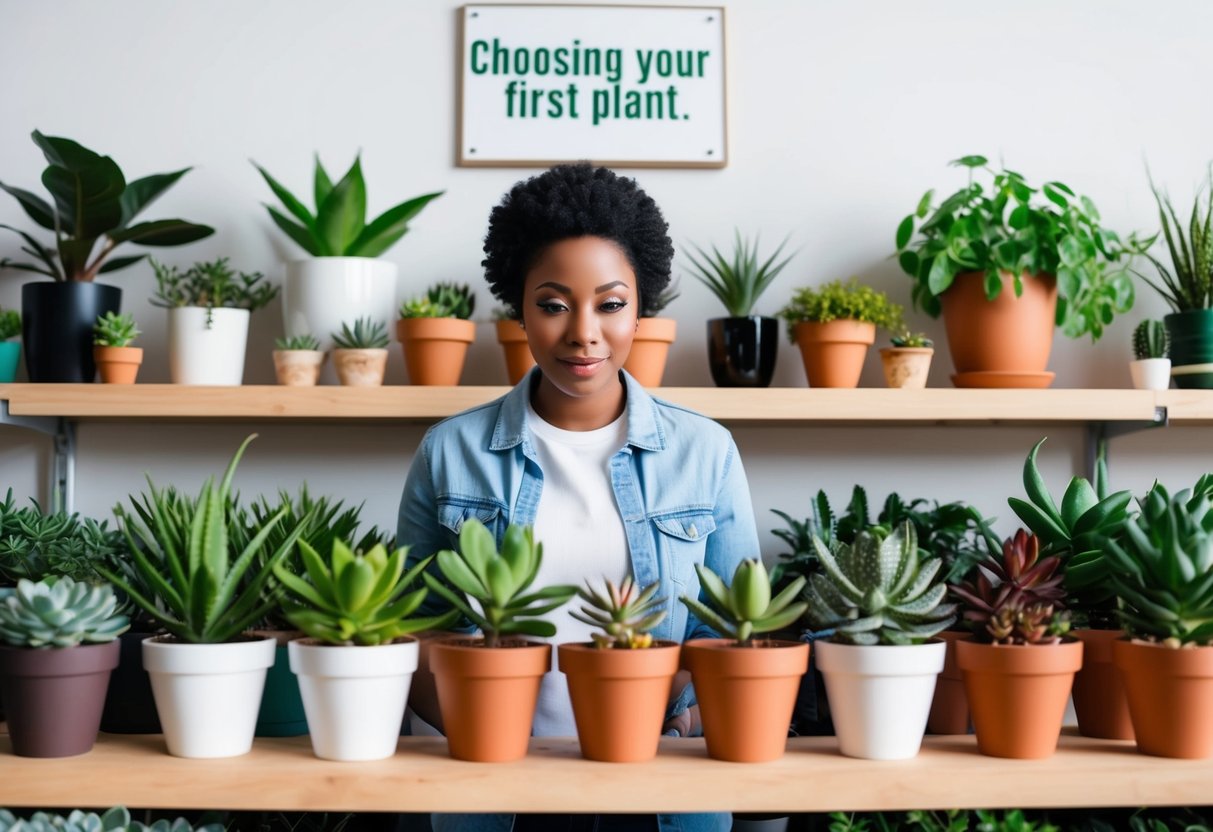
[[619, 698], [950, 707], [360, 368], [1018, 694], [906, 367], [298, 368], [1170, 693], [833, 352], [1099, 695], [487, 696], [435, 348], [650, 348], [746, 695], [1009, 335], [118, 365], [518, 358]]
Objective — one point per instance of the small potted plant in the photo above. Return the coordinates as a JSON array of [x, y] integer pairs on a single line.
[[117, 361], [834, 326], [488, 686], [117, 819], [746, 687], [60, 645], [1150, 367], [435, 333], [209, 305], [907, 363], [654, 335], [885, 606], [742, 347], [297, 360], [360, 354], [514, 345], [619, 682], [10, 347]]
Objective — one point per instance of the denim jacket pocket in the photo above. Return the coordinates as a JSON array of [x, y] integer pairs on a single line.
[[453, 512], [682, 537]]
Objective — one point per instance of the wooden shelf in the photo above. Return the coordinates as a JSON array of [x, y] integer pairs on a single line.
[[812, 777]]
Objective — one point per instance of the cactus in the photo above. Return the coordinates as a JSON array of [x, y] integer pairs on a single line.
[[878, 591], [59, 612], [1150, 340], [298, 342], [745, 608], [625, 615], [367, 334]]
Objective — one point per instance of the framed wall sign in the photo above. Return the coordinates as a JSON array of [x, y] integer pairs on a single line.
[[628, 86]]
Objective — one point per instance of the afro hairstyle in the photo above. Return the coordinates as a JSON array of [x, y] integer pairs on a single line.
[[571, 201]]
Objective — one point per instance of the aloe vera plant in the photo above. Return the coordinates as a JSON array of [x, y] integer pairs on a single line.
[[624, 613], [745, 608]]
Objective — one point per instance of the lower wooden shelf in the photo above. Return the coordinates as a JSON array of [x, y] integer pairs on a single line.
[[812, 777]]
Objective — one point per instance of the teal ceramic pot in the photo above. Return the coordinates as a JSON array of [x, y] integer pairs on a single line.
[[281, 712], [1191, 336], [10, 357]]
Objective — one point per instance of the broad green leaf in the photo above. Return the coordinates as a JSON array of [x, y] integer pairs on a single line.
[[143, 192], [163, 233], [941, 275], [970, 161], [113, 264], [386, 229], [322, 185], [302, 237], [288, 199], [38, 209], [89, 197], [904, 232], [342, 215], [908, 261], [924, 204]]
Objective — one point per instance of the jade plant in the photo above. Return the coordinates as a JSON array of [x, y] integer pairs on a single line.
[[59, 612], [442, 300], [306, 342], [625, 614], [838, 301], [10, 324], [114, 330], [366, 334], [490, 587], [745, 608], [737, 281], [1150, 340]]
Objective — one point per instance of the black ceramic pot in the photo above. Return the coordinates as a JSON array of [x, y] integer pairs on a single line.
[[741, 351], [58, 328], [130, 707]]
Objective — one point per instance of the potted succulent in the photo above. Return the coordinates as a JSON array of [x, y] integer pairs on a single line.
[[1162, 576], [356, 662], [742, 347], [435, 332], [619, 682], [1150, 367], [1018, 668], [59, 648], [654, 335], [117, 819], [746, 687], [92, 213], [885, 606], [346, 277], [1007, 263], [117, 361], [360, 353], [10, 348], [834, 326], [488, 686], [209, 305], [514, 345], [297, 360], [908, 362]]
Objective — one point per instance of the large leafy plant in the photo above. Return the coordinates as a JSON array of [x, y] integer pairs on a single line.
[[1188, 284], [338, 226], [837, 301], [1015, 228], [738, 281], [91, 213]]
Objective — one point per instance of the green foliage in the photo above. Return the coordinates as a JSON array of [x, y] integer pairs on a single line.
[[917, 340], [212, 284], [625, 614], [496, 582], [745, 608], [367, 334], [839, 301], [1188, 284], [878, 591], [92, 209], [739, 282], [113, 330], [442, 300], [117, 819], [658, 305], [59, 612], [10, 324], [1020, 230], [1150, 340], [298, 342], [35, 546], [338, 226]]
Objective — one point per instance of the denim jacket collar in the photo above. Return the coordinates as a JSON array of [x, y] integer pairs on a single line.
[[644, 429]]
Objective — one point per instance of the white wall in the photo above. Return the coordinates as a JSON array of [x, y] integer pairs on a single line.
[[841, 115]]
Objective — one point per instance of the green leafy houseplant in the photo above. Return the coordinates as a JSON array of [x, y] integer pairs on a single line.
[[113, 330], [338, 226], [1014, 228], [442, 300], [10, 324], [745, 608], [1150, 340], [35, 545], [59, 612], [92, 212], [1188, 285], [625, 614], [213, 284], [366, 334], [307, 342], [740, 281], [837, 301]]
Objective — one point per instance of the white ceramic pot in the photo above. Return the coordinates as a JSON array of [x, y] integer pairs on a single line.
[[322, 293], [206, 346], [354, 697], [880, 696], [1151, 373], [208, 695]]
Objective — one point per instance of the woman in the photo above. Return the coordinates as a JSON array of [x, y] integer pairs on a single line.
[[614, 481]]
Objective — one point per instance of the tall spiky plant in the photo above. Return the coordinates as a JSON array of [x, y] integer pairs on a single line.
[[1188, 284]]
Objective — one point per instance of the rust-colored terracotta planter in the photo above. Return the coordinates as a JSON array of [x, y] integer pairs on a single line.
[[950, 707], [488, 695], [650, 349], [906, 367], [360, 368], [518, 358], [1018, 694], [118, 365], [619, 698], [1099, 695], [746, 695], [833, 352], [435, 348], [298, 368], [1170, 693]]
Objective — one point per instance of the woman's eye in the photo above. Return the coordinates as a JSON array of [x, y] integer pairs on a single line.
[[613, 305], [551, 307]]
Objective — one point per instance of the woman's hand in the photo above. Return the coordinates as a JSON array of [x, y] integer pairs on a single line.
[[685, 724]]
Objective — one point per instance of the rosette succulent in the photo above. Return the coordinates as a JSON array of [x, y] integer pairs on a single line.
[[117, 819], [745, 608], [59, 612], [625, 614]]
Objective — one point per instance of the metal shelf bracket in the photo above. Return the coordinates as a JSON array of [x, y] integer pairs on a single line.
[[61, 476], [1099, 433]]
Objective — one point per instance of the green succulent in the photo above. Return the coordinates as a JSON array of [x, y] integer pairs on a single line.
[[1188, 284], [626, 615], [442, 300], [35, 545], [298, 342], [878, 590], [837, 301], [212, 284], [1150, 340], [59, 612], [117, 819], [114, 330], [10, 323], [918, 340], [367, 334], [737, 283], [745, 608], [496, 582]]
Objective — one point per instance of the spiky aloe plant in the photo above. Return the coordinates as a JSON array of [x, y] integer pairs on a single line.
[[442, 300], [59, 612], [745, 608], [366, 334], [1150, 340], [878, 591], [306, 341], [114, 330], [625, 614]]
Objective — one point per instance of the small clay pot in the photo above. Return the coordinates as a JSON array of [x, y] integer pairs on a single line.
[[360, 368], [298, 368], [118, 365], [516, 348], [1008, 335], [1099, 694], [650, 349], [834, 352], [950, 706], [906, 367], [1170, 694], [435, 348]]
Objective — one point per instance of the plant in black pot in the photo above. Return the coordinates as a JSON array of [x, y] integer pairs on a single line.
[[741, 347], [92, 212]]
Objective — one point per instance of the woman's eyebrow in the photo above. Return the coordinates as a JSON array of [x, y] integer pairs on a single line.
[[610, 285], [558, 287]]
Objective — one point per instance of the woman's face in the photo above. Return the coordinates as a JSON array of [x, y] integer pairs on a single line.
[[579, 306]]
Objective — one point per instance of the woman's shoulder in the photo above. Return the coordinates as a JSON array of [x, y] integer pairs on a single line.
[[473, 424], [684, 426]]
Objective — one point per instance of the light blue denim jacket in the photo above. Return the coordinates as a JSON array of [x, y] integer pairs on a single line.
[[679, 484]]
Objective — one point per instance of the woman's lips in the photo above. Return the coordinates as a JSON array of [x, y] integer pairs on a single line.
[[583, 367]]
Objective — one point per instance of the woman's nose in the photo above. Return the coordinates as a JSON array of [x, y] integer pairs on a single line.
[[583, 327]]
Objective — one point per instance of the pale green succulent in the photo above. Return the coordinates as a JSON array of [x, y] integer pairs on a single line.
[[878, 591], [59, 612], [117, 819], [745, 608]]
